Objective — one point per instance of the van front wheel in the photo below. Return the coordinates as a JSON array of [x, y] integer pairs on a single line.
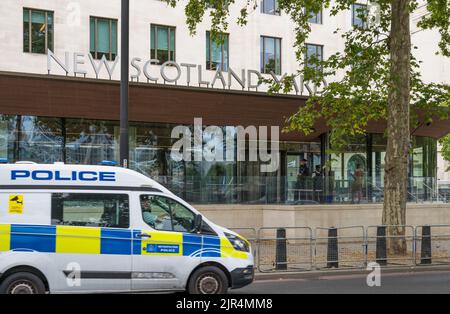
[[208, 280], [22, 283]]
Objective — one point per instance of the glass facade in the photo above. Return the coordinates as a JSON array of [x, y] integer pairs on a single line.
[[306, 175]]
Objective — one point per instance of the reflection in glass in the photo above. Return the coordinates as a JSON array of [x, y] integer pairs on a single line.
[[90, 142], [41, 139]]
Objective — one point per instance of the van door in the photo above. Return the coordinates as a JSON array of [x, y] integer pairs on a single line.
[[93, 241], [166, 250]]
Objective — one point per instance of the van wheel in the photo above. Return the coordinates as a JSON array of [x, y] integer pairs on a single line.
[[208, 280], [22, 283]]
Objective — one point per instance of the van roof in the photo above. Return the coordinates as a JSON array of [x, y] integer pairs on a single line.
[[60, 175]]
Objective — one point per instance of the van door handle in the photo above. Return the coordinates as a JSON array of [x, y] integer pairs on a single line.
[[143, 236]]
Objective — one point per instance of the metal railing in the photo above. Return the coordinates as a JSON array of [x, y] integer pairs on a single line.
[[339, 248], [285, 249]]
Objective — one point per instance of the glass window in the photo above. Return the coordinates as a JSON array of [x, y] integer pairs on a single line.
[[91, 210], [359, 15], [212, 4], [270, 55], [314, 54], [315, 18], [162, 43], [8, 137], [40, 139], [91, 141], [37, 31], [103, 38], [217, 53], [270, 7], [165, 214]]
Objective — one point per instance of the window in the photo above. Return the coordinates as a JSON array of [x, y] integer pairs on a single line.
[[359, 15], [212, 4], [162, 43], [270, 55], [217, 53], [314, 53], [315, 18], [91, 210], [270, 7], [37, 31], [103, 38], [164, 214]]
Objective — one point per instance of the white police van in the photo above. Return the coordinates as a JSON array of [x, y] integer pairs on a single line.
[[81, 229]]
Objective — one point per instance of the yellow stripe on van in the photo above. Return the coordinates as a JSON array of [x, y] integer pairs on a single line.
[[5, 238], [78, 240], [227, 250], [163, 244]]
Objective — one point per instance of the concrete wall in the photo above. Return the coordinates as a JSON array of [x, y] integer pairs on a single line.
[[257, 216]]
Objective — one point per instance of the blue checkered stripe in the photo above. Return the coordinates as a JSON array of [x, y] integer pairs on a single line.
[[33, 238], [201, 246]]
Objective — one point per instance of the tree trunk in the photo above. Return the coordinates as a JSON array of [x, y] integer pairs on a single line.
[[398, 133]]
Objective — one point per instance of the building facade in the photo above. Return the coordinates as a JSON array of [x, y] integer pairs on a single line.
[[59, 99]]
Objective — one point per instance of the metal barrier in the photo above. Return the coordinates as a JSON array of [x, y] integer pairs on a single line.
[[432, 244], [285, 249], [298, 249], [391, 245], [339, 247]]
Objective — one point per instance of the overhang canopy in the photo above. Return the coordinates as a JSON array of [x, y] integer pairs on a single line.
[[69, 97]]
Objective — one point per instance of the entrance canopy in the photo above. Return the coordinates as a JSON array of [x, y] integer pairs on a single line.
[[68, 97]]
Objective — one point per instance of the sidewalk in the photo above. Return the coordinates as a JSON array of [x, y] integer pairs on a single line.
[[315, 274]]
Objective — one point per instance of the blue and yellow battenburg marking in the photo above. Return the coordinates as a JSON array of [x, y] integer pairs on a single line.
[[87, 240]]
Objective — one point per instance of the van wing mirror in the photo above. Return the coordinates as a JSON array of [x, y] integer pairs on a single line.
[[198, 222]]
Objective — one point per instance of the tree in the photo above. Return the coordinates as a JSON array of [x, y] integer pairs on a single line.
[[381, 78]]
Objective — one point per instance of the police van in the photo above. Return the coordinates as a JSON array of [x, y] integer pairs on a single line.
[[84, 229]]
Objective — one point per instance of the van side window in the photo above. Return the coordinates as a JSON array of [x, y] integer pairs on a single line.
[[91, 210], [162, 213]]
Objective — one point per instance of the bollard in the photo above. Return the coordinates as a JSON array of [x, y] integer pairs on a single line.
[[332, 253], [425, 254], [381, 253], [281, 250]]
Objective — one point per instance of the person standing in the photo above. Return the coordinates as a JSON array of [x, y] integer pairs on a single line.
[[303, 175], [357, 185], [318, 183]]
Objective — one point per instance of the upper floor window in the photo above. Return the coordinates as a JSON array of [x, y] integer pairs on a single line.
[[359, 15], [217, 53], [37, 31], [270, 7], [103, 38], [315, 18], [270, 55], [212, 4], [313, 53], [162, 43]]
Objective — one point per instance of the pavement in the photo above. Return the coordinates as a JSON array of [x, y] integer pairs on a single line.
[[423, 279]]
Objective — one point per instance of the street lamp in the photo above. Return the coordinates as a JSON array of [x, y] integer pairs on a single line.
[[124, 89]]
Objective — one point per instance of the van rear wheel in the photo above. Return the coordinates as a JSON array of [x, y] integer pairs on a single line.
[[22, 283], [208, 280]]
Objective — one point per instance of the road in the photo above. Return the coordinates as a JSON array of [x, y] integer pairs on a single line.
[[391, 283]]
